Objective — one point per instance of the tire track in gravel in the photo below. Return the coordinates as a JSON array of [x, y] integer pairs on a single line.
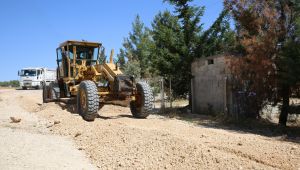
[[243, 155]]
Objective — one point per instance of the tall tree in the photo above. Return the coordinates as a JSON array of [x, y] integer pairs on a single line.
[[187, 27], [179, 39], [288, 61], [137, 48], [121, 57], [267, 31], [168, 38], [166, 56]]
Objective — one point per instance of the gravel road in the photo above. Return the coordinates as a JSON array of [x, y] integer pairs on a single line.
[[29, 144], [115, 140]]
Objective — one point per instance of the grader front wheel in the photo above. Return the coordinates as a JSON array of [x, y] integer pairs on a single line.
[[143, 105], [88, 100]]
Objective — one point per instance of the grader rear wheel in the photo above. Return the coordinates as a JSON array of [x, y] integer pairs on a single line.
[[46, 95], [143, 105], [88, 100], [50, 93]]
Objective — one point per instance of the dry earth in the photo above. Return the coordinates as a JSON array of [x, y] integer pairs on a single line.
[[29, 143], [117, 141]]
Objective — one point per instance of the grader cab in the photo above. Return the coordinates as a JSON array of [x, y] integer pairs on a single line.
[[80, 76]]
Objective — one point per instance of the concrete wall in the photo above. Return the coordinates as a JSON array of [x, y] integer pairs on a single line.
[[210, 90]]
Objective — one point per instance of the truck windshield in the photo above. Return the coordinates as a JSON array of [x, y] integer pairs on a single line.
[[28, 73]]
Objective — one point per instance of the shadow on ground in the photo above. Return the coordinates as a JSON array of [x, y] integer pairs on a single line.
[[250, 126], [70, 106], [115, 117]]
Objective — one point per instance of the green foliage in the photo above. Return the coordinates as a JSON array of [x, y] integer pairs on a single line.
[[102, 58], [289, 63], [219, 38], [12, 83], [297, 26], [168, 39], [121, 59], [289, 56], [132, 68], [175, 40], [137, 48], [189, 16]]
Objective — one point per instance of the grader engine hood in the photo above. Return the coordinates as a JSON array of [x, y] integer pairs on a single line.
[[94, 72]]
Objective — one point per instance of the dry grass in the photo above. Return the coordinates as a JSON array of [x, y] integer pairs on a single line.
[[262, 126], [175, 104], [7, 87]]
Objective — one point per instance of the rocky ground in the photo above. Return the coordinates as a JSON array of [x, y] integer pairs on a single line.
[[115, 140]]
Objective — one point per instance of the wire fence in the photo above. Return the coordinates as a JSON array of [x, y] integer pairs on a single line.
[[163, 94]]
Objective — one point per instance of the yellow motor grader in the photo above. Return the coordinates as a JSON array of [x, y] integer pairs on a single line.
[[80, 76]]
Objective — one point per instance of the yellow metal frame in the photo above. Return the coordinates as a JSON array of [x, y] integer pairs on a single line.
[[92, 72]]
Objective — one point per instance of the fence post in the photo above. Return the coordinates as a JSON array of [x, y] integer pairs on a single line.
[[154, 100], [162, 95], [170, 81], [225, 96]]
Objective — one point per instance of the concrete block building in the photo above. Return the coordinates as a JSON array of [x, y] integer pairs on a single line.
[[211, 89]]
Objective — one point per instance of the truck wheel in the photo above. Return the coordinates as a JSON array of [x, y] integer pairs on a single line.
[[88, 100], [51, 92], [143, 104], [24, 88]]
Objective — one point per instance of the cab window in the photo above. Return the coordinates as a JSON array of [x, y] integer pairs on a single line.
[[71, 53], [59, 54]]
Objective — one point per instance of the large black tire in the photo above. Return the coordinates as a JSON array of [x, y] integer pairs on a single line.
[[24, 88], [51, 92], [143, 105], [46, 95], [88, 100]]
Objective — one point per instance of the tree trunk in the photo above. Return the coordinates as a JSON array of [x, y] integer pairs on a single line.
[[285, 105]]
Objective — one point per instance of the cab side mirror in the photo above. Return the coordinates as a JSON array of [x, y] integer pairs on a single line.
[[18, 73]]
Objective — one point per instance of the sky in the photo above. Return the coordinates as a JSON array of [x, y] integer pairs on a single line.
[[31, 30]]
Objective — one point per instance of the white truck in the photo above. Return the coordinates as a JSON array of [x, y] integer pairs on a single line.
[[36, 77]]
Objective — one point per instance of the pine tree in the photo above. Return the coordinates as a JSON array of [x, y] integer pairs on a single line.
[[219, 38], [137, 48], [121, 59], [179, 39], [102, 58], [177, 44], [288, 61], [168, 39]]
